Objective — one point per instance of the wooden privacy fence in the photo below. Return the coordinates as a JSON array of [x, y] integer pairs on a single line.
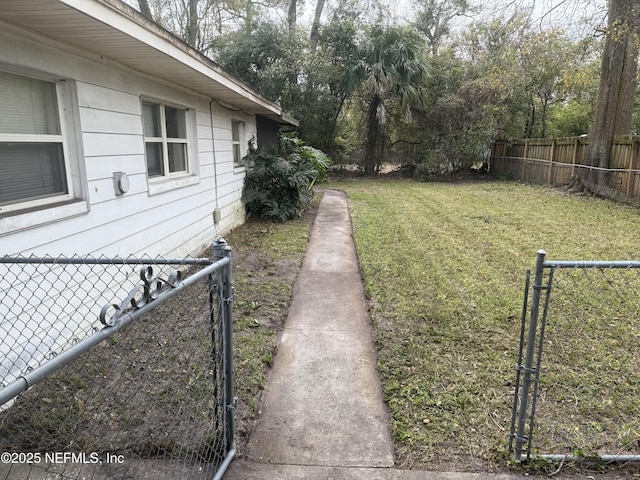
[[555, 161]]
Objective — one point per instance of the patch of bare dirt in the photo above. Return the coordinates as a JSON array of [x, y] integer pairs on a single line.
[[264, 275]]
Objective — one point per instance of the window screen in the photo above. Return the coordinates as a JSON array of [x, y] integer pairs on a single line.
[[32, 163]]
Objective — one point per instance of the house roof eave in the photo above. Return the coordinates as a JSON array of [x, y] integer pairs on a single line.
[[112, 29]]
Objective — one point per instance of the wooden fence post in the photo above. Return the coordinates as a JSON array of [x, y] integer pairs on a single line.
[[576, 149], [561, 153], [551, 160], [633, 165], [525, 161]]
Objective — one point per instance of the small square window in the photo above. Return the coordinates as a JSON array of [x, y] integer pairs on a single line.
[[165, 137], [34, 169], [155, 165], [151, 119], [177, 153], [237, 141], [176, 123]]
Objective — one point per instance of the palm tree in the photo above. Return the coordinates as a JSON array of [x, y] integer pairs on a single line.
[[389, 68]]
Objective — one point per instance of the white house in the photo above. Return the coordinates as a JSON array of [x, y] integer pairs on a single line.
[[117, 138]]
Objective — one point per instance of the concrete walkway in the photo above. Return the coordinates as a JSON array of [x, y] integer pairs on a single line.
[[323, 402], [323, 415]]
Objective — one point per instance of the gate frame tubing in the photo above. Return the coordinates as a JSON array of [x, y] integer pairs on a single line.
[[527, 368], [222, 251], [520, 453], [220, 266]]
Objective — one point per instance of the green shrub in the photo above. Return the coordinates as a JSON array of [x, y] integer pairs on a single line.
[[279, 185]]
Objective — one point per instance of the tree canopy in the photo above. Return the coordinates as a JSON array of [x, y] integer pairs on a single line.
[[426, 83]]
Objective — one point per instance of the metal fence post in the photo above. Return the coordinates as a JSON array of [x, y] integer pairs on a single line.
[[528, 368], [81, 303], [523, 321], [222, 249]]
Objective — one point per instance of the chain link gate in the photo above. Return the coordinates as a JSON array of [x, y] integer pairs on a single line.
[[585, 317], [116, 367]]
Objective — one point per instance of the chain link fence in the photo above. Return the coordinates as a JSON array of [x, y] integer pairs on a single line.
[[116, 368], [577, 377]]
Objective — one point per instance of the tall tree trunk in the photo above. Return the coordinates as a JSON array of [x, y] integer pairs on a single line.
[[332, 146], [545, 107], [315, 27], [191, 32], [531, 121], [248, 21], [292, 15], [143, 5], [374, 137], [614, 108]]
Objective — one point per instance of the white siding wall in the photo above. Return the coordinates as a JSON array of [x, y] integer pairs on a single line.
[[106, 111]]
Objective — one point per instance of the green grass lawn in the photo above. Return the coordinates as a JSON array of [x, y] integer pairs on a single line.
[[444, 265]]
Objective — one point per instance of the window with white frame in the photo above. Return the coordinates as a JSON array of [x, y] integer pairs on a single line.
[[165, 137], [237, 142], [34, 168]]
